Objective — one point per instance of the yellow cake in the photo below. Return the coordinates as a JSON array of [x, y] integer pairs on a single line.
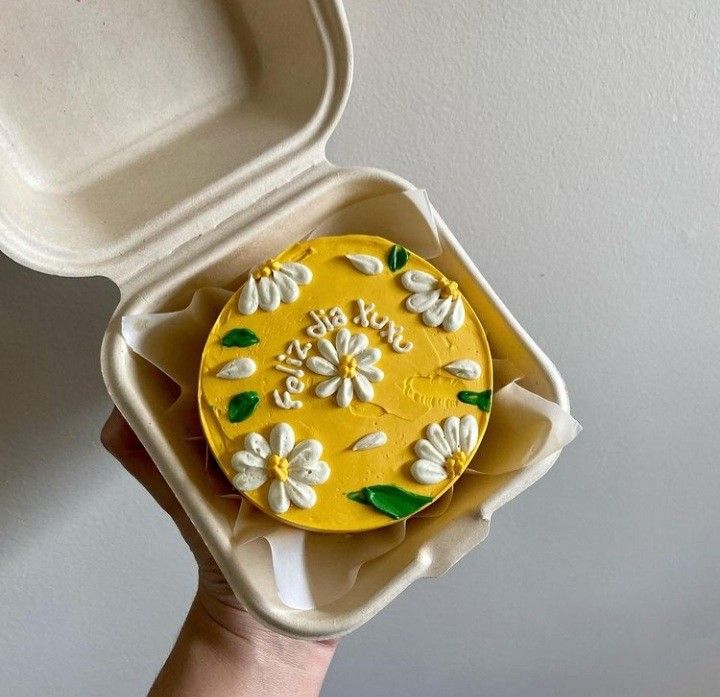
[[346, 385]]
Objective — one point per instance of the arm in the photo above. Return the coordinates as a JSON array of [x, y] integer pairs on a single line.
[[221, 651]]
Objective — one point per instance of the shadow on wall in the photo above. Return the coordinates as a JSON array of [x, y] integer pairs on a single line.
[[52, 400]]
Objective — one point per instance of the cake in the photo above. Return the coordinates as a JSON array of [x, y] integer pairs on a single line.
[[346, 385]]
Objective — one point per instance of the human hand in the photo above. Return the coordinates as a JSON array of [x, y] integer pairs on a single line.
[[222, 650]]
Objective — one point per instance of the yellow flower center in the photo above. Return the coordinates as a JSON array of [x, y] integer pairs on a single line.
[[278, 467], [455, 463], [347, 367], [448, 289], [267, 268]]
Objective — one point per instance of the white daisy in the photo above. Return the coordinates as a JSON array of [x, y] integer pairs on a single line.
[[272, 283], [349, 364], [439, 301], [293, 469], [446, 451]]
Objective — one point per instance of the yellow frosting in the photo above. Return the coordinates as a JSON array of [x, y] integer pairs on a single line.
[[415, 391]]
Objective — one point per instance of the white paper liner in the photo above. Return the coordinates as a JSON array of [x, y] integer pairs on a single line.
[[314, 569], [406, 218]]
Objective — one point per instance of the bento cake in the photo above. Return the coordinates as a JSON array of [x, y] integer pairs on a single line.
[[346, 385]]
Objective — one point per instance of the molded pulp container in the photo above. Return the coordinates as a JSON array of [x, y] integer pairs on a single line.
[[170, 146]]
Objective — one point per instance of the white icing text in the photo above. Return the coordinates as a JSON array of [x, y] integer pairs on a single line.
[[325, 321], [391, 332], [290, 363]]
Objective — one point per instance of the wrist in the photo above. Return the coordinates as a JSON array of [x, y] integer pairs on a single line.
[[268, 662], [223, 651], [227, 614]]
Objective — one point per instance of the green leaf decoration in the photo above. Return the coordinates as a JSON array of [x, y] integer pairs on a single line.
[[391, 500], [242, 406], [358, 496], [240, 337], [397, 257], [482, 400]]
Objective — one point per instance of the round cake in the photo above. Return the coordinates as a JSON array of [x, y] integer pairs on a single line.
[[346, 385]]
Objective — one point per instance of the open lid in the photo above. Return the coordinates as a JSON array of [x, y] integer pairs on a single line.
[[129, 128]]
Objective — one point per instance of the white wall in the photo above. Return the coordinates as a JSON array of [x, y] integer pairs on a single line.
[[574, 148]]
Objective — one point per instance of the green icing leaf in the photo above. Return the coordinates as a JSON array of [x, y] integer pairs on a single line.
[[397, 257], [482, 400], [358, 496], [240, 337], [390, 499], [242, 406]]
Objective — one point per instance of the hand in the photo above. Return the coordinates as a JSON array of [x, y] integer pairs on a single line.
[[221, 650]]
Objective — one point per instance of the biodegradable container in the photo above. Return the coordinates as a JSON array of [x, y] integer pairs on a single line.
[[170, 146]]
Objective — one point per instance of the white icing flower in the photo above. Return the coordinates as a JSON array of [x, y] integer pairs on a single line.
[[272, 283], [293, 469], [349, 364], [439, 301], [446, 450]]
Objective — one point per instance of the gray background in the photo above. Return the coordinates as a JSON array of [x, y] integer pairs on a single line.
[[574, 148]]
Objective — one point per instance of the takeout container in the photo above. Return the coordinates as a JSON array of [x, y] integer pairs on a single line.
[[173, 147]]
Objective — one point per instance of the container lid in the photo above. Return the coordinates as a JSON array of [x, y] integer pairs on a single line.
[[129, 128]]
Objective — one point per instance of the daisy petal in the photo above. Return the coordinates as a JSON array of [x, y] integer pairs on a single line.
[[300, 494], [419, 302], [277, 497], [305, 453], [357, 343], [321, 366], [468, 433], [257, 445], [248, 299], [363, 388], [455, 317], [368, 356], [451, 426], [426, 472], [341, 341], [418, 281], [282, 439], [376, 439], [299, 273], [249, 479], [268, 294], [436, 436], [345, 393], [317, 473], [327, 387], [237, 369], [371, 372], [425, 450], [327, 350], [365, 263], [465, 368], [243, 459], [289, 291], [436, 314]]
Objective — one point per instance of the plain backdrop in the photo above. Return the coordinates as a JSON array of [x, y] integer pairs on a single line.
[[574, 149]]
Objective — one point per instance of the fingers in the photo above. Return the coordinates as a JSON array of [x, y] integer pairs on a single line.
[[118, 438], [120, 441]]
